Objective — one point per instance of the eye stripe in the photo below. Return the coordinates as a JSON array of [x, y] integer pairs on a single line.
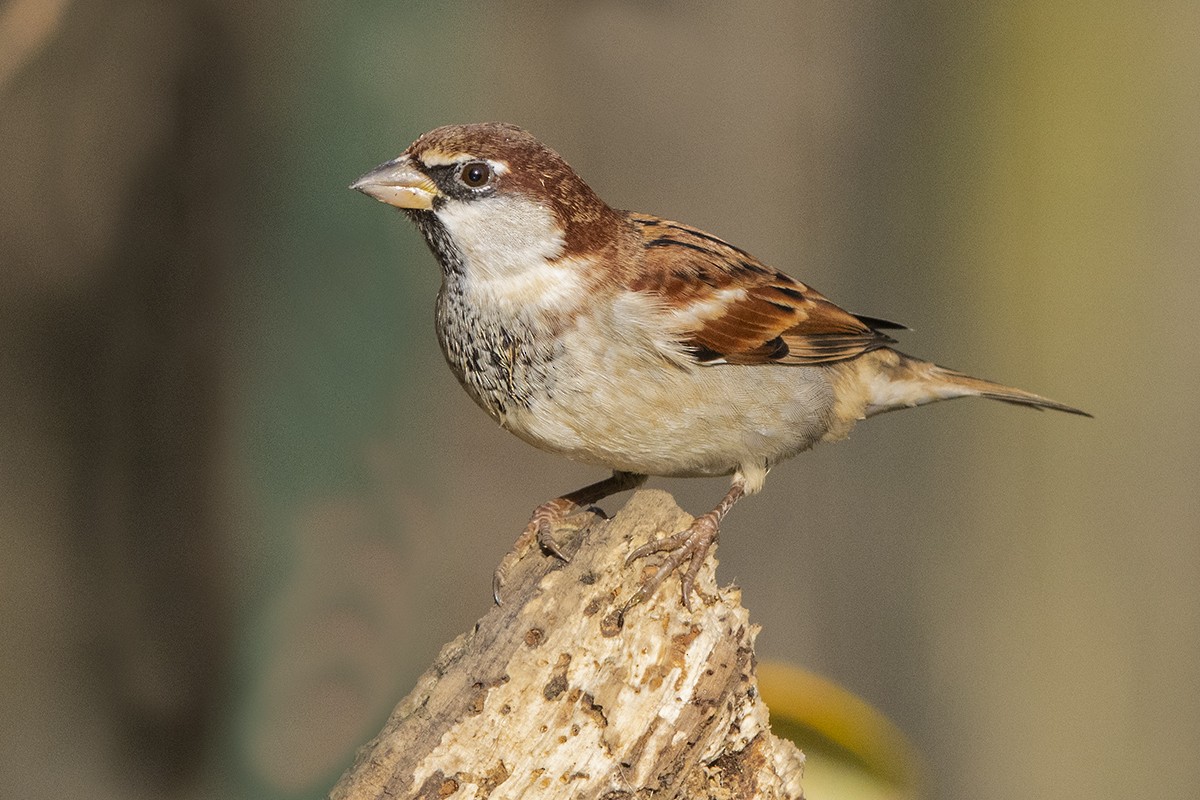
[[438, 159], [441, 158]]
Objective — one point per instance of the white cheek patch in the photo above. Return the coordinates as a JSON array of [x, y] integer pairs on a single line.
[[500, 236], [511, 247]]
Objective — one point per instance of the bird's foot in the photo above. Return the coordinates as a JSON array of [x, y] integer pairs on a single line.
[[551, 514], [539, 531], [690, 545]]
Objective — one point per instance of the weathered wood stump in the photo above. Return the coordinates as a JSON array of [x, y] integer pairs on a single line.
[[558, 693]]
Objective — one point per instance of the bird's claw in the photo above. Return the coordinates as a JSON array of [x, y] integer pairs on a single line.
[[539, 531], [545, 540], [690, 545]]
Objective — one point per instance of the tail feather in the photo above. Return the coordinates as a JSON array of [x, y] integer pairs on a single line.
[[978, 387], [900, 381]]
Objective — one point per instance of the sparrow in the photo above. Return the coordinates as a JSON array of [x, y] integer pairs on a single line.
[[636, 343]]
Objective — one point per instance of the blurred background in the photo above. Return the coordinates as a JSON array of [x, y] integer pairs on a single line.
[[243, 502]]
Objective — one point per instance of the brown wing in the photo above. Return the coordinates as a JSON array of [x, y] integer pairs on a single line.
[[733, 309]]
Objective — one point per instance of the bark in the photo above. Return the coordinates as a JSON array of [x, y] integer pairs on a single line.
[[558, 692]]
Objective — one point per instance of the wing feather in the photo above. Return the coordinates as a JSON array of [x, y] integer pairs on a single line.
[[731, 308]]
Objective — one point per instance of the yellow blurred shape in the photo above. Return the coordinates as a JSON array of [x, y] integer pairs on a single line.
[[853, 751]]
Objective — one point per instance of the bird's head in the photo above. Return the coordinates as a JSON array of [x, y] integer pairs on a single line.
[[490, 196]]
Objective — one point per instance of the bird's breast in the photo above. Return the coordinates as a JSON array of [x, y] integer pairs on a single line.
[[599, 388], [505, 361]]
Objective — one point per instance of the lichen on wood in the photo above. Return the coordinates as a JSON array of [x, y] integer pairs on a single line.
[[558, 692]]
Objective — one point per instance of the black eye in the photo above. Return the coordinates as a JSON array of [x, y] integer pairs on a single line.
[[475, 174]]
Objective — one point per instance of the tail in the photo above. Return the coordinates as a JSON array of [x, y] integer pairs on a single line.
[[895, 380]]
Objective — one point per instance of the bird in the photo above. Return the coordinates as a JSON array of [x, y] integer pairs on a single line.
[[636, 343]]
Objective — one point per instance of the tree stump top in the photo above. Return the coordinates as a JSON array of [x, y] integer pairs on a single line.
[[558, 693]]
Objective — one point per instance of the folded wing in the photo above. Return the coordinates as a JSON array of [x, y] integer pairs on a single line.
[[730, 308]]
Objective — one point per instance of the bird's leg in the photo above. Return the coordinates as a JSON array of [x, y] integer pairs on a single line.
[[690, 545], [541, 525]]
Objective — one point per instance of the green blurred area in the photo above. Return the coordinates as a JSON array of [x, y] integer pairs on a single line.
[[244, 502]]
